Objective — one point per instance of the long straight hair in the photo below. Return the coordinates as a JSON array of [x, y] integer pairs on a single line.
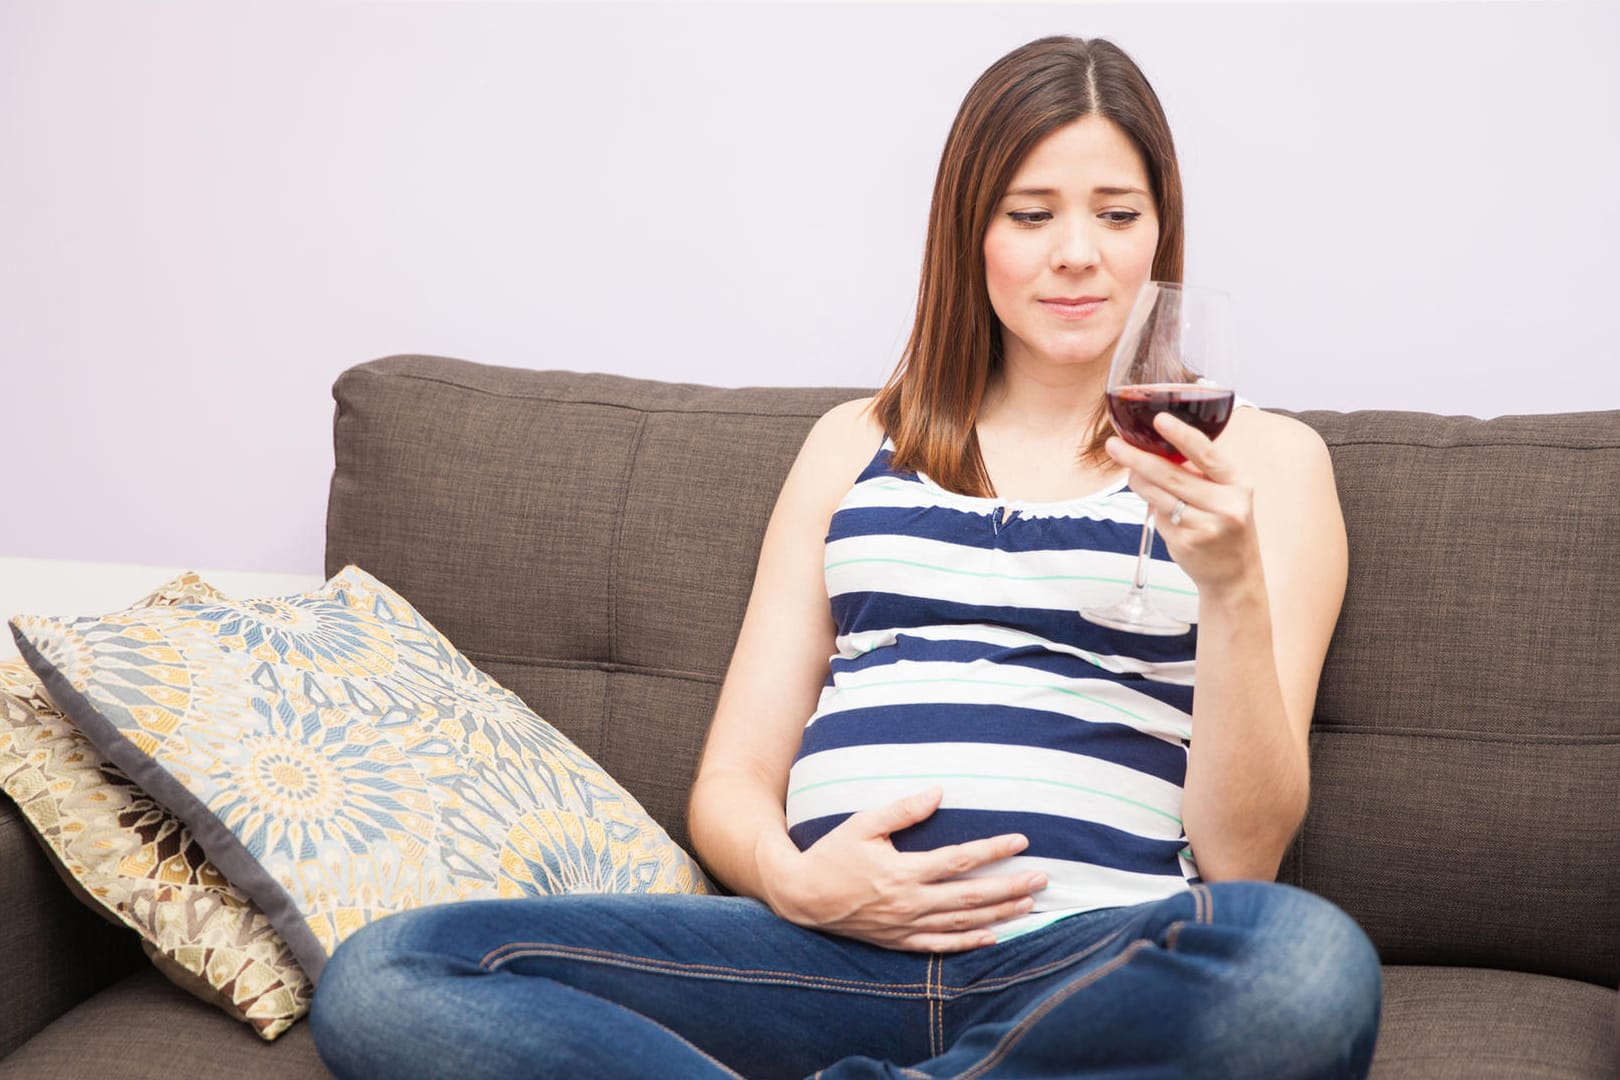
[[929, 406]]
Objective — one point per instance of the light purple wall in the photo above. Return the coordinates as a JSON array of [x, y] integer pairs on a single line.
[[208, 210]]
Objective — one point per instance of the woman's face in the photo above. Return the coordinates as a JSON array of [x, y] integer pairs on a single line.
[[1070, 245]]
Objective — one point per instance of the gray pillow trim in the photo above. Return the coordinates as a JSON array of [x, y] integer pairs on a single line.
[[223, 849]]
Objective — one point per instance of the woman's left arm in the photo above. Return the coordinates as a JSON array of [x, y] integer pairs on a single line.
[[1263, 537]]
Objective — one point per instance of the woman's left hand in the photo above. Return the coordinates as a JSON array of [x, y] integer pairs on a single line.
[[1203, 509]]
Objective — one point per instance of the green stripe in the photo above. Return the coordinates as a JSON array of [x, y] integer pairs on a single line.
[[1185, 733], [1052, 917], [1005, 577], [988, 776]]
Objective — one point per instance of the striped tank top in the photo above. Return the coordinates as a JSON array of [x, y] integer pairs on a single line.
[[962, 662]]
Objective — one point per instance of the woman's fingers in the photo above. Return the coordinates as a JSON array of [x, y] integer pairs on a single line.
[[959, 904], [1205, 482], [955, 929], [891, 818], [958, 859], [945, 943], [1199, 449], [914, 900]]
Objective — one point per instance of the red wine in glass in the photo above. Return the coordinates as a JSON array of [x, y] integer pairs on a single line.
[[1173, 355], [1206, 408]]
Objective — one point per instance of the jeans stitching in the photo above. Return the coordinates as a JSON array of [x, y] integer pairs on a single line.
[[933, 1004], [939, 1005], [1004, 1047], [496, 958], [1207, 908]]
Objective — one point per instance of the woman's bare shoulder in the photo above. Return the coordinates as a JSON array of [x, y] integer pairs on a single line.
[[853, 418], [835, 452], [845, 438], [1274, 443]]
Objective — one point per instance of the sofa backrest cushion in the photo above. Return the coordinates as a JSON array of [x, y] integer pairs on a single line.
[[587, 540], [1466, 745], [590, 540]]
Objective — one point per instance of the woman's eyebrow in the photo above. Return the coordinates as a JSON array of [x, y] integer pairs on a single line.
[[1043, 192]]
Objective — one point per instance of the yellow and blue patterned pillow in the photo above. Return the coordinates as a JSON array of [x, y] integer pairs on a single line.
[[132, 862], [339, 760]]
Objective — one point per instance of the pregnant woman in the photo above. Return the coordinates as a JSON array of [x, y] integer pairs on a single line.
[[967, 832]]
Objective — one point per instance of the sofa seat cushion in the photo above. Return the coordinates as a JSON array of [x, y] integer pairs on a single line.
[[145, 1026], [1439, 1024], [1448, 1023]]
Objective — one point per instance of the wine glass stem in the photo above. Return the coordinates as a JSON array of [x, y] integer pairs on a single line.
[[1143, 554]]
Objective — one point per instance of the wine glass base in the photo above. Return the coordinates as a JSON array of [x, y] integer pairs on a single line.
[[1134, 615]]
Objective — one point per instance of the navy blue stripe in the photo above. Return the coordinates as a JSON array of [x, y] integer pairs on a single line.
[[1004, 725], [1050, 837], [855, 612], [984, 529], [1033, 657], [881, 466]]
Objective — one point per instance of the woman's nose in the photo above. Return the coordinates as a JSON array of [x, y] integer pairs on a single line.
[[1075, 247]]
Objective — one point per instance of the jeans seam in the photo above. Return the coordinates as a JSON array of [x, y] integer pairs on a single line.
[[935, 977], [1203, 904], [495, 959], [1004, 1047], [1203, 912]]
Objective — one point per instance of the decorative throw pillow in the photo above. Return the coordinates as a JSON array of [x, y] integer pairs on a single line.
[[135, 864], [339, 760]]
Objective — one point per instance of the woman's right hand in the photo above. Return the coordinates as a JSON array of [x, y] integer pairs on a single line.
[[855, 883]]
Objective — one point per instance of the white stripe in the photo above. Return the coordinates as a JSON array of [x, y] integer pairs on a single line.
[[1056, 580], [1075, 887], [987, 683], [985, 776], [887, 492]]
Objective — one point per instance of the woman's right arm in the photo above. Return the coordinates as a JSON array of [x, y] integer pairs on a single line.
[[852, 881]]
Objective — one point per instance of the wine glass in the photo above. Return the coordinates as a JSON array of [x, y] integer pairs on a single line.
[[1173, 356]]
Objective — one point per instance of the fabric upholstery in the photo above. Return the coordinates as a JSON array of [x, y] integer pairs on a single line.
[[589, 541], [1465, 747], [1472, 1024], [1462, 744], [630, 512], [145, 1028], [339, 760], [54, 952]]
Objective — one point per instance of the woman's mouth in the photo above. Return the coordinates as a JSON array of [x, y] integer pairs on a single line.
[[1073, 307]]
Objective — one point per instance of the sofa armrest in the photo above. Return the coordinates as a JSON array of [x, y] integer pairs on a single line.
[[54, 952]]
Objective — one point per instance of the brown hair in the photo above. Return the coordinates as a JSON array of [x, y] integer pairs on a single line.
[[931, 403]]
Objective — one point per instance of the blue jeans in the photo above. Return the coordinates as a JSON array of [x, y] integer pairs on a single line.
[[1240, 979]]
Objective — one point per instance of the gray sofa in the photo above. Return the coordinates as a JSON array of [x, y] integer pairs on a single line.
[[589, 540]]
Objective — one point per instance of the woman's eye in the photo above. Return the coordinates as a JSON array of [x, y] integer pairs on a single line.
[[1120, 218], [1030, 217]]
